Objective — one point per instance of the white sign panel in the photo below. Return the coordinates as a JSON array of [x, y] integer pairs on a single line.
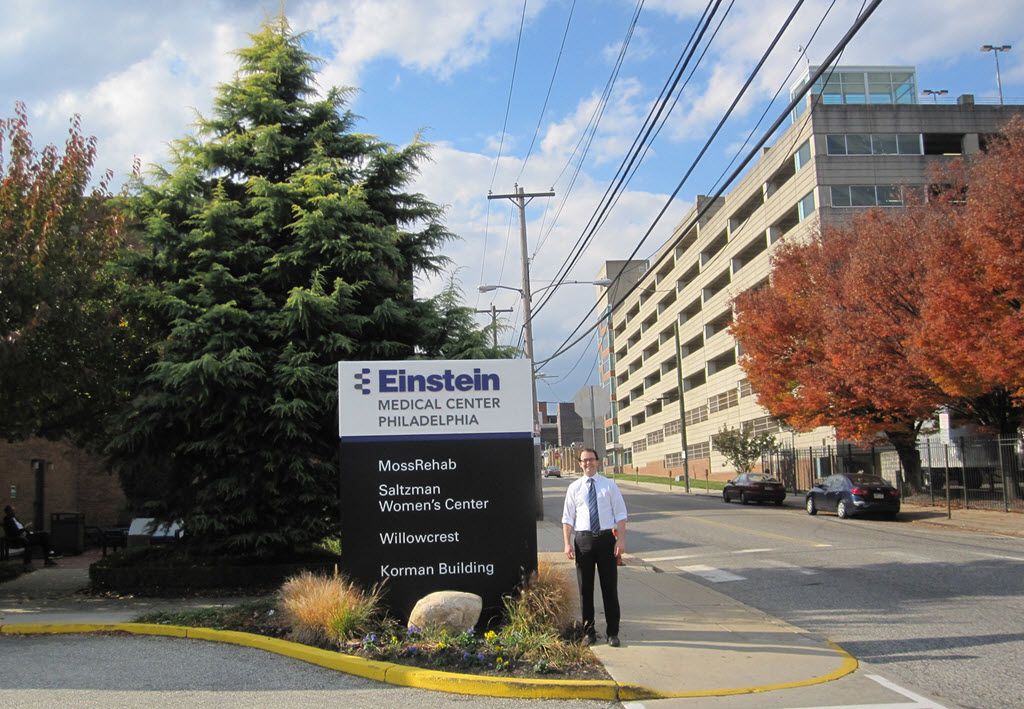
[[459, 398]]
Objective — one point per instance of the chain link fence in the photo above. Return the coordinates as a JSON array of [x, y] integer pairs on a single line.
[[971, 472]]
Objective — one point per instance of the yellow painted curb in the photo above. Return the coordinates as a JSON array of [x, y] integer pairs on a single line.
[[407, 676]]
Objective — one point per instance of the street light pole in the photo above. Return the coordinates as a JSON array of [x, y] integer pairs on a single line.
[[995, 49]]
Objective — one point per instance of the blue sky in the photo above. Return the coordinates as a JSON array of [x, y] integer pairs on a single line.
[[136, 71]]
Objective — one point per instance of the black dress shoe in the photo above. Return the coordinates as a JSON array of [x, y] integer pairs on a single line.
[[613, 640], [589, 639]]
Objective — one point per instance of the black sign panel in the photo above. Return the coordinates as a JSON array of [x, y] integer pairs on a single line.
[[429, 514]]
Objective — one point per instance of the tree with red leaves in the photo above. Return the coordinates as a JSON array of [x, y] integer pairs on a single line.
[[827, 342], [873, 325], [63, 341], [972, 337]]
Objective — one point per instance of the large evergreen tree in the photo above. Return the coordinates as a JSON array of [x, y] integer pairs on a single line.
[[281, 242]]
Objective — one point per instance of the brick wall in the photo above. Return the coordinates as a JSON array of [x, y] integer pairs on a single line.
[[74, 481]]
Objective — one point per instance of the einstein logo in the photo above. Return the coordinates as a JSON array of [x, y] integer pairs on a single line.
[[363, 381]]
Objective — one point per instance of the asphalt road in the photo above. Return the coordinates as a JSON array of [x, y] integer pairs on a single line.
[[143, 672], [937, 611]]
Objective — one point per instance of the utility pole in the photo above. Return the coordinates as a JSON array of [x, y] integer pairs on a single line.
[[520, 198], [494, 320], [682, 406]]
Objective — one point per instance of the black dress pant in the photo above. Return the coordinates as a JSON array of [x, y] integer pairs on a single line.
[[598, 551]]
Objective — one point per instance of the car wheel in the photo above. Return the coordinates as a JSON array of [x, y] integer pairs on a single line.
[[811, 509], [743, 498], [843, 510], [778, 503], [725, 497]]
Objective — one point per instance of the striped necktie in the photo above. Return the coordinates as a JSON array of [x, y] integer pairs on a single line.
[[595, 518]]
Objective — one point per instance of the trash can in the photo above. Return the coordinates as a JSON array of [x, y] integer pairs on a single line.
[[67, 532]]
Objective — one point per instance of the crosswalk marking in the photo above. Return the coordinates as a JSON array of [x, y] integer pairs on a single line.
[[711, 574], [905, 557], [791, 567]]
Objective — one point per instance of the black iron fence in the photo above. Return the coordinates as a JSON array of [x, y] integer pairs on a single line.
[[979, 472]]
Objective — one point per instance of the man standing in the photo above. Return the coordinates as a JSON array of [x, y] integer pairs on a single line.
[[595, 510]]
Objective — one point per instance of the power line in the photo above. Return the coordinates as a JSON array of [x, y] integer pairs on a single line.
[[543, 109], [797, 97], [511, 87], [640, 144]]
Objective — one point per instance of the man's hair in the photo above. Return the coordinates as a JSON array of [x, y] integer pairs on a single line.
[[590, 450], [8, 510]]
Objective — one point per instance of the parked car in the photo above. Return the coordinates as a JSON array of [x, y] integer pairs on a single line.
[[853, 494], [552, 471], [754, 487]]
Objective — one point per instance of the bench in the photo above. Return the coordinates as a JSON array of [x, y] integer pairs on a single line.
[[7, 550]]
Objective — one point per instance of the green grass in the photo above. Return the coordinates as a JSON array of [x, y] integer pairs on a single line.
[[695, 483]]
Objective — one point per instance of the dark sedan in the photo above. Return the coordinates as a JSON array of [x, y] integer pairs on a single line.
[[754, 487], [854, 494]]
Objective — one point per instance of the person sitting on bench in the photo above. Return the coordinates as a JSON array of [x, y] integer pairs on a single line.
[[19, 535]]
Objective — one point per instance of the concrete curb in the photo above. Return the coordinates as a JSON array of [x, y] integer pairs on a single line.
[[407, 676]]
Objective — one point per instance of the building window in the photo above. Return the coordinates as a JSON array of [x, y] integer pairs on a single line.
[[866, 196], [673, 428], [745, 388], [874, 144], [802, 156], [698, 450], [806, 206], [655, 437], [764, 424], [724, 401], [674, 460], [696, 415]]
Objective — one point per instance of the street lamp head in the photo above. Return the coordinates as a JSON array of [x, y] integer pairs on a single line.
[[486, 288], [603, 282], [996, 48]]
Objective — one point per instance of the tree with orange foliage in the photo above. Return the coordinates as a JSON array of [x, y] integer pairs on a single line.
[[971, 341], [827, 342], [63, 340], [873, 325]]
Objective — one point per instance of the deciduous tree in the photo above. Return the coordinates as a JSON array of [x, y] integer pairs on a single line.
[[64, 343], [743, 450]]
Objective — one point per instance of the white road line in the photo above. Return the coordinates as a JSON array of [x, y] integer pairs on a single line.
[[749, 551], [907, 558], [711, 574], [919, 701], [997, 556], [651, 560], [791, 567]]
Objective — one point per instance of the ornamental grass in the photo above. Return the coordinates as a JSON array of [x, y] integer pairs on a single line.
[[328, 609]]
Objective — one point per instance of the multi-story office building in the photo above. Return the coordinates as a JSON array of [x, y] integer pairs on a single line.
[[859, 139]]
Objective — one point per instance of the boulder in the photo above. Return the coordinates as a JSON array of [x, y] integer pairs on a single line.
[[453, 611]]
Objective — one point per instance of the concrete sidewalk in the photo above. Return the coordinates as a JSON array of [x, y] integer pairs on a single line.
[[679, 638]]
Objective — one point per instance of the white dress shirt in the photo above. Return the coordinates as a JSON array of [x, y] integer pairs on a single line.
[[610, 506]]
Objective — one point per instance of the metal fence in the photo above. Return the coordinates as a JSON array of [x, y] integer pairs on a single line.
[[977, 472]]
